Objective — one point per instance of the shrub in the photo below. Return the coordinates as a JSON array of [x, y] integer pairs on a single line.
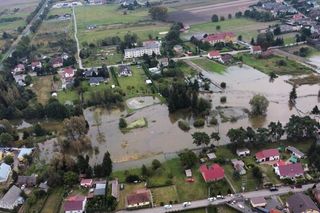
[[122, 123], [213, 121], [198, 122], [161, 203], [132, 178], [223, 99], [168, 182], [156, 164], [184, 125], [233, 119], [223, 85]]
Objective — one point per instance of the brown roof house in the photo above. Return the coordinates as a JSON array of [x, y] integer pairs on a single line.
[[28, 181], [139, 199], [301, 203]]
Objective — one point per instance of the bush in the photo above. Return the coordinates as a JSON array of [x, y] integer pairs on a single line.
[[184, 125], [132, 178], [168, 182], [156, 164], [223, 85], [122, 123], [223, 99], [199, 122], [213, 121]]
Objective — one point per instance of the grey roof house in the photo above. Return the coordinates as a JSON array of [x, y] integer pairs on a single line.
[[11, 199], [299, 203], [100, 188], [28, 181]]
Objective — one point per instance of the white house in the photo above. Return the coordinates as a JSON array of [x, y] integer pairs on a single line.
[[243, 152], [11, 199], [214, 55], [5, 171], [268, 155], [149, 48]]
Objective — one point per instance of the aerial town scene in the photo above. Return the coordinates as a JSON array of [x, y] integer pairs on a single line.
[[154, 106]]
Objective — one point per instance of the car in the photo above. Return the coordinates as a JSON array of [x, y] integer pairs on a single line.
[[167, 206], [185, 204], [220, 197], [211, 199], [240, 206], [273, 189]]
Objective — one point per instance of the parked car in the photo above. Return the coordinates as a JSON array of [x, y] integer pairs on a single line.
[[220, 197], [273, 189], [211, 199], [167, 206], [185, 204]]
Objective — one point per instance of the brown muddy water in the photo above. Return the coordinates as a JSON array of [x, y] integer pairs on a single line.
[[163, 134]]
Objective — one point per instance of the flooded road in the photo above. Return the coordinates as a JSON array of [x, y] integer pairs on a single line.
[[163, 134]]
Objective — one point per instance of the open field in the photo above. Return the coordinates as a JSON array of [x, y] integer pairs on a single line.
[[110, 21], [164, 194], [103, 55], [209, 65], [235, 25], [271, 64], [42, 88], [202, 13], [53, 202]]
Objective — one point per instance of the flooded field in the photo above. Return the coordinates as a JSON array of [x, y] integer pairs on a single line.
[[315, 60], [162, 135]]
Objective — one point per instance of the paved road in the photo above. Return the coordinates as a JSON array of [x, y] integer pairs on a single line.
[[205, 202], [76, 38], [25, 32]]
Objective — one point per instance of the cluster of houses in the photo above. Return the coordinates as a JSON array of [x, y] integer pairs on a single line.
[[278, 8], [67, 4]]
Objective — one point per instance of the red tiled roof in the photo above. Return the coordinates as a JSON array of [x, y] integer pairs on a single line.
[[256, 48], [267, 153], [214, 53], [213, 173], [74, 203], [35, 63], [290, 170], [86, 182], [68, 70], [219, 36], [140, 196], [57, 60], [21, 66], [297, 16]]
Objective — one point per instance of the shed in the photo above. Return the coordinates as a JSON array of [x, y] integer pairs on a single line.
[[211, 156], [258, 202], [243, 152], [188, 173]]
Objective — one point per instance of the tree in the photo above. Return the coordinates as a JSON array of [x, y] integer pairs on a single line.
[[259, 105], [106, 165], [70, 178], [293, 95], [257, 173], [122, 123], [28, 80], [275, 131], [6, 139], [222, 18], [201, 138], [237, 136], [38, 130], [156, 164], [218, 27], [262, 135], [315, 110], [75, 127], [215, 18], [159, 13], [300, 128], [215, 136], [229, 16], [240, 37], [188, 158], [8, 159], [144, 171]]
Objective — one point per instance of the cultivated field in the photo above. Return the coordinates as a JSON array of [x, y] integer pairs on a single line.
[[110, 21]]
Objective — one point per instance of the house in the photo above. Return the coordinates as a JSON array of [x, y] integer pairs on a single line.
[[178, 49], [90, 73], [68, 72], [19, 69], [238, 166], [57, 62], [267, 155], [155, 71], [124, 71], [226, 58], [139, 199], [188, 173], [316, 193], [95, 81], [100, 188], [295, 152], [44, 186], [5, 171], [224, 37], [115, 188], [258, 202], [214, 173], [28, 181], [149, 48], [211, 156], [290, 171], [75, 204], [214, 54], [87, 183], [20, 80], [23, 152], [36, 64], [164, 62], [256, 50], [11, 199], [301, 203], [243, 152]]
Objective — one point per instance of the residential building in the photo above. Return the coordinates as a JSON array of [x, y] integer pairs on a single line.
[[268, 155], [163, 61], [20, 79], [290, 171], [23, 152], [75, 204], [214, 55], [211, 156], [238, 166], [226, 58], [100, 188], [11, 199], [28, 181], [155, 71], [93, 72], [86, 183], [214, 173], [68, 72], [178, 49], [5, 171], [57, 62], [301, 203], [44, 186], [19, 69], [149, 48], [124, 71], [36, 64], [95, 81], [139, 199], [294, 151], [256, 50], [243, 152], [224, 37], [258, 202], [115, 188]]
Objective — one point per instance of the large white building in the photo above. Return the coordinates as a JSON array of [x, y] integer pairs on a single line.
[[148, 48]]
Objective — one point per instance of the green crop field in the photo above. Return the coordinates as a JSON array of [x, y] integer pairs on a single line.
[[209, 65], [240, 26]]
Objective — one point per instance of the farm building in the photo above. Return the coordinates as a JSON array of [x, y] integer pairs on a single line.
[[267, 155], [224, 37]]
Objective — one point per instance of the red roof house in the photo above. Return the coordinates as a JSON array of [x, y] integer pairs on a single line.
[[297, 16], [19, 69], [214, 54], [68, 72], [36, 64], [57, 62], [220, 37], [214, 173], [256, 50], [86, 183], [289, 171], [268, 155], [141, 198], [75, 204]]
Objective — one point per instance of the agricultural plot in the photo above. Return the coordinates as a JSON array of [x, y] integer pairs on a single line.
[[210, 65], [235, 25]]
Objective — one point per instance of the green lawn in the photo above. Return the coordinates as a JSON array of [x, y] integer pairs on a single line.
[[53, 202], [289, 38], [269, 65], [248, 28], [165, 194], [210, 65], [60, 11]]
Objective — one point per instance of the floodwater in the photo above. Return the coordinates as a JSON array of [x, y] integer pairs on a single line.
[[163, 136], [315, 60]]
